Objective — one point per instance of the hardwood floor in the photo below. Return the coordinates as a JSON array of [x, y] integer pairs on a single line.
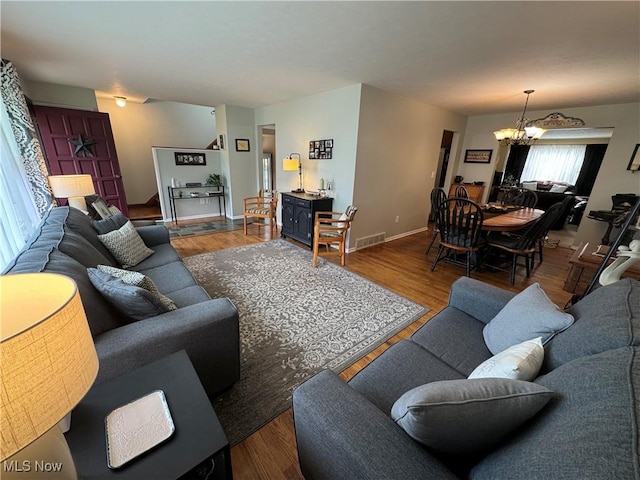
[[400, 266]]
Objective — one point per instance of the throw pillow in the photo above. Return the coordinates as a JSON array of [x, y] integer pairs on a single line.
[[131, 301], [520, 362], [138, 279], [530, 185], [530, 314], [125, 245], [467, 416], [558, 188], [109, 224]]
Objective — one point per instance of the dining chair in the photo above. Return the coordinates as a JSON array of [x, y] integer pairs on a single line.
[[459, 223], [524, 245], [461, 192], [330, 229], [564, 205], [262, 207], [520, 196], [437, 197]]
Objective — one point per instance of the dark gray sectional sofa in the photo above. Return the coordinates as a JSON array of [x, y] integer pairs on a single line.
[[207, 329], [588, 431]]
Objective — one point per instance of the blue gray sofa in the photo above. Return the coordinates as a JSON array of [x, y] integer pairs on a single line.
[[207, 329], [587, 431]]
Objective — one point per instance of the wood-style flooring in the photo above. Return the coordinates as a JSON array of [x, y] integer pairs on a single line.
[[401, 266]]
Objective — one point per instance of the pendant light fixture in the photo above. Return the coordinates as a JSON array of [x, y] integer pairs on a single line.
[[522, 134]]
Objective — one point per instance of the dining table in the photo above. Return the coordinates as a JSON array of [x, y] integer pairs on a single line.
[[505, 218]]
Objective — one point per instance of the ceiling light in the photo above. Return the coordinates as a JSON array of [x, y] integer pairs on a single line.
[[522, 134], [120, 101]]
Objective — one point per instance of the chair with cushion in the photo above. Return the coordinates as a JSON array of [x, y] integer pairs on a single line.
[[262, 207], [331, 229], [525, 245], [437, 197], [459, 221]]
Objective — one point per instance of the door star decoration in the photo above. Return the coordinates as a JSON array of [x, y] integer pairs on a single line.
[[82, 146]]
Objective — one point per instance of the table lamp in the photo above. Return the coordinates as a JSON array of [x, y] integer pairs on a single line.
[[73, 188], [49, 362], [291, 164]]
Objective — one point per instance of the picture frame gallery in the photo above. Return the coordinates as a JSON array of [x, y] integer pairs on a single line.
[[190, 158], [321, 149]]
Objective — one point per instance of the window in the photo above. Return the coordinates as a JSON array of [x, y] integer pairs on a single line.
[[559, 163]]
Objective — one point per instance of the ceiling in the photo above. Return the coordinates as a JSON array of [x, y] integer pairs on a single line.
[[469, 57]]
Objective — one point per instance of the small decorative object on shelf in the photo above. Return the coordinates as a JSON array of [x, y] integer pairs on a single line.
[[214, 180]]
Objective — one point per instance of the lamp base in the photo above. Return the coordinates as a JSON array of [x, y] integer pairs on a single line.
[[298, 190], [47, 457]]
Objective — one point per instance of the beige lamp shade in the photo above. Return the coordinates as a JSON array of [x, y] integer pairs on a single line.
[[73, 188], [48, 359], [290, 164]]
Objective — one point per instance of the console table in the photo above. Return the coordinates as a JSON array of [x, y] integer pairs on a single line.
[[197, 442], [298, 212], [209, 192]]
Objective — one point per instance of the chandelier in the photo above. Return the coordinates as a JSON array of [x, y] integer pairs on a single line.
[[522, 134]]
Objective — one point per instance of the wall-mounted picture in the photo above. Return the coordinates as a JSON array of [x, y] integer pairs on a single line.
[[478, 156], [221, 142], [242, 145], [320, 149], [186, 158], [634, 163]]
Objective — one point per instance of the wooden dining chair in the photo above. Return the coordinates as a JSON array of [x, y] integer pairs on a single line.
[[330, 229], [462, 192], [459, 221], [437, 197], [524, 245], [520, 196], [262, 207]]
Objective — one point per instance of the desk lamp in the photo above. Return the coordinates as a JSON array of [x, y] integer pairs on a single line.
[[291, 164], [73, 188], [49, 362]]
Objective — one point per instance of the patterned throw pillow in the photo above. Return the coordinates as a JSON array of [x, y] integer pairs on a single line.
[[138, 279], [125, 245]]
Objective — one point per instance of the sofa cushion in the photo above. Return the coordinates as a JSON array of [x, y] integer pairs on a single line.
[[163, 253], [455, 338], [169, 277], [403, 366], [606, 319], [520, 362], [139, 280], [528, 315], [189, 296], [132, 301], [126, 245], [588, 431], [80, 223], [109, 224], [467, 416]]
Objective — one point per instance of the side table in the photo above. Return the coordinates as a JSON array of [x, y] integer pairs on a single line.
[[198, 436]]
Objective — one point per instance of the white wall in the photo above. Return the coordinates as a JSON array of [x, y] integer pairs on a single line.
[[332, 114], [65, 96], [398, 150], [613, 177], [138, 127]]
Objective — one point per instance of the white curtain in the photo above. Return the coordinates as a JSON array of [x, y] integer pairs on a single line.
[[559, 163], [18, 213]]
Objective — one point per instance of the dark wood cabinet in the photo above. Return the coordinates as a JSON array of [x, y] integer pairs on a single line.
[[298, 212]]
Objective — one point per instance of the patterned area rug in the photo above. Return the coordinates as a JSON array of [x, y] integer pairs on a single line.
[[203, 228], [295, 320]]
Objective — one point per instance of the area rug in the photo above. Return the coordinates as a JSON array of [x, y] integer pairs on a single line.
[[203, 228], [295, 320]]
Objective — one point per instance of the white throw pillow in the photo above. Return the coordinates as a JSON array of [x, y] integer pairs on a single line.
[[126, 245], [558, 188], [520, 362], [530, 185], [528, 315]]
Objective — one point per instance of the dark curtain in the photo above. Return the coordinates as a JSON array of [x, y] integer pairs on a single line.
[[592, 160], [515, 161]]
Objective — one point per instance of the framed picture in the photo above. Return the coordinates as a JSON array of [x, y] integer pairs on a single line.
[[242, 145], [320, 149], [186, 158], [221, 142], [634, 163], [478, 156]]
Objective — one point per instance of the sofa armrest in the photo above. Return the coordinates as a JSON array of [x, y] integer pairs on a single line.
[[478, 299], [209, 332], [341, 435], [153, 235]]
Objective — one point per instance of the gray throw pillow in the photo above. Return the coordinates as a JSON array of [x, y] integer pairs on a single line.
[[467, 416], [138, 279], [109, 224], [134, 302], [126, 245], [528, 315]]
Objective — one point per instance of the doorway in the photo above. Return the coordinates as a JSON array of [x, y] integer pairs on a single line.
[[266, 158], [443, 163]]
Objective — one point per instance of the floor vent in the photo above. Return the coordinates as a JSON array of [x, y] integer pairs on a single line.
[[375, 239]]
